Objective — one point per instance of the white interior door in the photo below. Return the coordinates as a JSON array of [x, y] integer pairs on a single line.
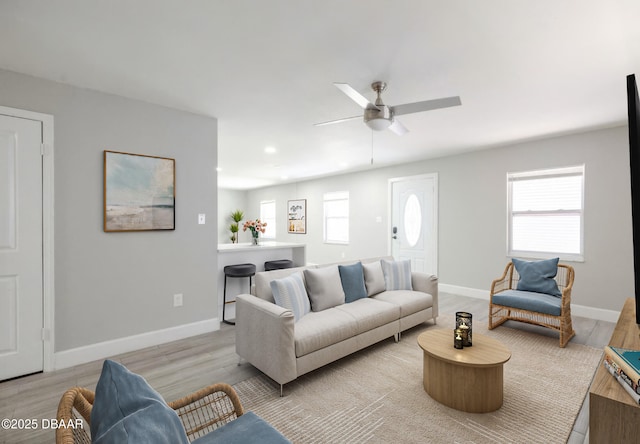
[[21, 247], [414, 221]]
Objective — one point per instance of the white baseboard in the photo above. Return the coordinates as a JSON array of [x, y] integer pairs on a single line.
[[101, 350], [583, 311], [464, 291]]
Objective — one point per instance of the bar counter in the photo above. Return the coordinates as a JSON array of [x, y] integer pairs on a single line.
[[246, 253]]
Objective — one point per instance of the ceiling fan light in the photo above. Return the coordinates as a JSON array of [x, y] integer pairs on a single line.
[[379, 124]]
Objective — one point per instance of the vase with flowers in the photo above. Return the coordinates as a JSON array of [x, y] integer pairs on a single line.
[[256, 227]]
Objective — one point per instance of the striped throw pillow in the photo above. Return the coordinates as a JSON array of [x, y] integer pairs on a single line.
[[397, 274], [290, 293]]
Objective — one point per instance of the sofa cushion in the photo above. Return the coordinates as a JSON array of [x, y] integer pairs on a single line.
[[528, 300], [263, 280], [128, 410], [373, 278], [291, 293], [410, 302], [538, 276], [320, 329], [324, 287], [370, 313], [352, 277], [397, 274], [246, 429]]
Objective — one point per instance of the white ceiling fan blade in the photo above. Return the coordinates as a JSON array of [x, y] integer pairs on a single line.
[[426, 105], [331, 122], [398, 128], [355, 95]]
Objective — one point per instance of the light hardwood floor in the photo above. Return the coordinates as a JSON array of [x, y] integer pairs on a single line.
[[181, 367]]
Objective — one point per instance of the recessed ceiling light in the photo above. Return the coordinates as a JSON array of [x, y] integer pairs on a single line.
[[284, 177], [270, 150], [218, 169]]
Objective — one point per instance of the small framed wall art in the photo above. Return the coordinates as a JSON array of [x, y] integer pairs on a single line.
[[139, 192], [297, 216]]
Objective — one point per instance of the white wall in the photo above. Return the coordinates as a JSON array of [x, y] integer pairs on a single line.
[[228, 202], [472, 214], [110, 286]]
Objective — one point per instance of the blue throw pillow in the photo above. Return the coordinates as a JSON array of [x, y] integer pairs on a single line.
[[352, 277], [397, 274], [538, 276], [126, 410]]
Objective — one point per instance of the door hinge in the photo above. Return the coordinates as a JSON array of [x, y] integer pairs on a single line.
[[44, 149], [45, 334]]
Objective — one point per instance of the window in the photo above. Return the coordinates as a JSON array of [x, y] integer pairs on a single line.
[[336, 217], [268, 215], [546, 213]]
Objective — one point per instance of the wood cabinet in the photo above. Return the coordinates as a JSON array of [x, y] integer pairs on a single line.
[[613, 415]]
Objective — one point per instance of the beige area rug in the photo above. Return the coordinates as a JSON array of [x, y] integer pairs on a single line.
[[376, 396]]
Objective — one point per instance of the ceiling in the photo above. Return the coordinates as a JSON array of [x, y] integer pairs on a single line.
[[265, 68]]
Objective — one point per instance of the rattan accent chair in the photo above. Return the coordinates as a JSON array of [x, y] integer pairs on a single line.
[[200, 412], [498, 314]]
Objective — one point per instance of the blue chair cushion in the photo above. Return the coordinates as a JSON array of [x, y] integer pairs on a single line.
[[352, 277], [128, 410], [538, 276], [528, 300], [246, 429]]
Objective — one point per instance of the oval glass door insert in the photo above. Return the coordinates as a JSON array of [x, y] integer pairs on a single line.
[[412, 220]]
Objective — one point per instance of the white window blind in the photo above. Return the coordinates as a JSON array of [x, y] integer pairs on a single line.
[[268, 215], [546, 213], [336, 217]]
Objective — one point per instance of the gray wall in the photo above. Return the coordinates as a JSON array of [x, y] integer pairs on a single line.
[[472, 212], [114, 285]]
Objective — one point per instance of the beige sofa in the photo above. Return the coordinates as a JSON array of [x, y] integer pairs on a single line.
[[270, 338]]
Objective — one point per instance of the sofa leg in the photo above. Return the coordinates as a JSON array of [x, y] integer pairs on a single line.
[[396, 337], [281, 390]]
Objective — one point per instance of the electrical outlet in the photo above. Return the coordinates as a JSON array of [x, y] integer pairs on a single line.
[[177, 300], [201, 219]]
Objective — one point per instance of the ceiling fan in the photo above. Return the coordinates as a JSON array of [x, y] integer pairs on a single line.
[[379, 116]]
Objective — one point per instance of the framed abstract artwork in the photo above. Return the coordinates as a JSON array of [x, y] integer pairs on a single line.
[[297, 216], [139, 192]]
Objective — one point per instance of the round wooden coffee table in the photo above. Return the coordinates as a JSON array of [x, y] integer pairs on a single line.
[[470, 379]]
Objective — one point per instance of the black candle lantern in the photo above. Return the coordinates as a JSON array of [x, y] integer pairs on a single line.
[[457, 338], [464, 323]]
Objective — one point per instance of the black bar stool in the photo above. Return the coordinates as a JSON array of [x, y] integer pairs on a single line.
[[236, 271], [277, 265]]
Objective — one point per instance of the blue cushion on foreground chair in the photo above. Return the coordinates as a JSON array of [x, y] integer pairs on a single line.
[[528, 300], [538, 276], [246, 429], [128, 410]]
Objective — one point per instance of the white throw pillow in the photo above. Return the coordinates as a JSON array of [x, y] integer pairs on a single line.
[[324, 287], [397, 274], [373, 278], [290, 293]]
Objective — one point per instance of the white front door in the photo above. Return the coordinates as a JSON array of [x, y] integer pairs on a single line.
[[21, 247], [414, 221]]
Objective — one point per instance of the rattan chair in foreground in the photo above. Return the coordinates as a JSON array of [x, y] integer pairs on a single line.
[[200, 412], [498, 314]]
